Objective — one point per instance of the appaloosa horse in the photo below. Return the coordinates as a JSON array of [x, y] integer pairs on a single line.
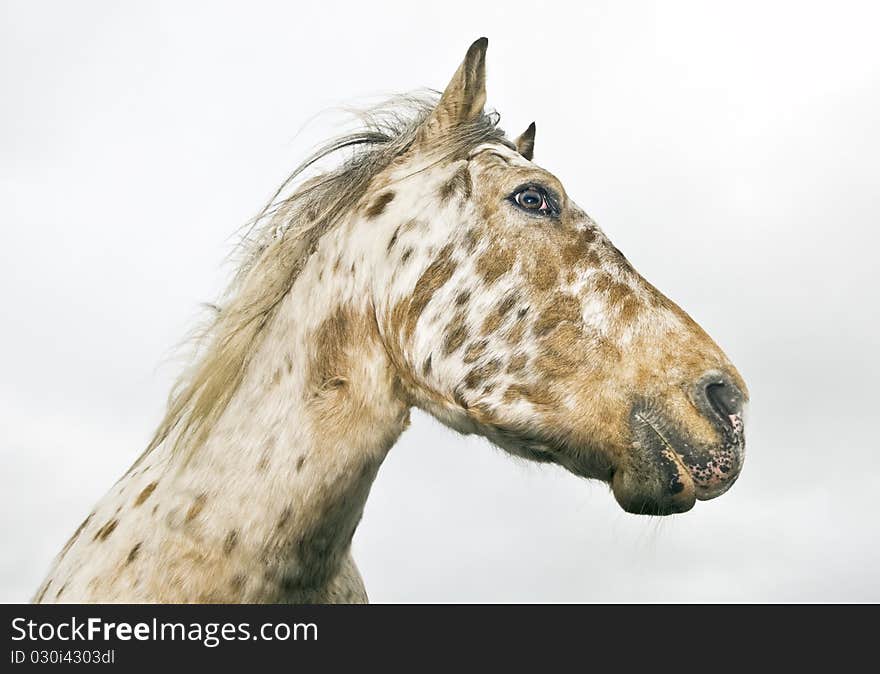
[[437, 267]]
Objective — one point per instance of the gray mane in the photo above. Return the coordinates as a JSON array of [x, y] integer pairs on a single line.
[[386, 132], [278, 243]]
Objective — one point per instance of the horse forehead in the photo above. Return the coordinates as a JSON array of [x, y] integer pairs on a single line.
[[501, 151]]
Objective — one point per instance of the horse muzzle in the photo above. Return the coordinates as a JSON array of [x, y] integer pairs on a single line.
[[668, 469]]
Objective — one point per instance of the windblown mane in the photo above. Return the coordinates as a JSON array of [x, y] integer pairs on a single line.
[[279, 241]]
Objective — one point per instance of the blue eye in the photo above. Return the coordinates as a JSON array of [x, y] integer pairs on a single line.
[[535, 200], [530, 199]]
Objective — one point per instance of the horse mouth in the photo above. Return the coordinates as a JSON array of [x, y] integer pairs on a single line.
[[668, 471]]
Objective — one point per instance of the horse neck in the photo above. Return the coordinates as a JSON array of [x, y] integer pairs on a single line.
[[265, 509], [291, 462]]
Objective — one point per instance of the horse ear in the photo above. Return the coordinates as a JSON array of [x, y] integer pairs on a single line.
[[525, 144], [464, 97]]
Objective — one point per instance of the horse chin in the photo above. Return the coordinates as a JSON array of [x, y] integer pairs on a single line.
[[665, 488]]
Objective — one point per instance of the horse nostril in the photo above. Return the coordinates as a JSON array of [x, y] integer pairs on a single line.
[[725, 398]]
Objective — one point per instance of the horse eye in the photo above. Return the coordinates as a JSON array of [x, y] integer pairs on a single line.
[[536, 200], [530, 199]]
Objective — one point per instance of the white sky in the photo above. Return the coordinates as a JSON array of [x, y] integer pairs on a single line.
[[732, 153]]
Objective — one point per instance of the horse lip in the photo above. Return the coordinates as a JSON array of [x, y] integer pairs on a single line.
[[705, 493], [676, 455], [709, 477]]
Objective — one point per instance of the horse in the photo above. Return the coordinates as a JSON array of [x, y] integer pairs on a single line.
[[438, 267]]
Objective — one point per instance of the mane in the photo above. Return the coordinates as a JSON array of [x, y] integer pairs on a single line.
[[278, 242]]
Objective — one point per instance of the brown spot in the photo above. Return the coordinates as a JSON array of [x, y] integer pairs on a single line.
[[508, 303], [300, 462], [513, 393], [456, 334], [543, 275], [459, 183], [537, 395], [60, 591], [379, 204], [133, 553], [145, 493], [406, 255], [106, 530], [462, 298], [230, 542], [331, 359], [517, 363], [477, 377], [394, 237], [630, 310], [617, 292], [237, 582], [426, 368], [601, 281], [284, 517], [562, 307], [431, 280], [491, 323], [494, 262], [196, 507], [475, 350], [579, 250], [471, 239]]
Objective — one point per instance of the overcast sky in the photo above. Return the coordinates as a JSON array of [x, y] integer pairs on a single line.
[[732, 153]]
